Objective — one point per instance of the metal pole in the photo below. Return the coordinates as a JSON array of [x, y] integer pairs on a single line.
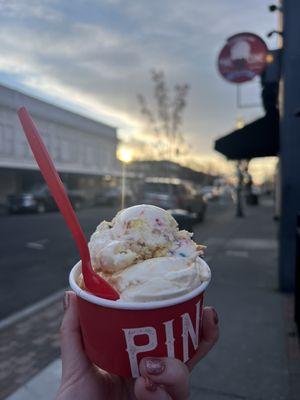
[[123, 185], [239, 206], [238, 96]]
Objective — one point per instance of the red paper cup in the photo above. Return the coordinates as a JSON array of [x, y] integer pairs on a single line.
[[117, 334]]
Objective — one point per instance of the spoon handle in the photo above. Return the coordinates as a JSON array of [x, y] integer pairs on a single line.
[[54, 182], [93, 281]]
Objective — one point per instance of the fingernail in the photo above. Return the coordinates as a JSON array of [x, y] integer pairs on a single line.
[[215, 316], [151, 386], [66, 301], [154, 366]]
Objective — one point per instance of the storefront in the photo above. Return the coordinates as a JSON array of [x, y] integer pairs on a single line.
[[262, 138]]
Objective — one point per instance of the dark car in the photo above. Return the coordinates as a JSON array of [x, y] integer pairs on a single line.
[[173, 194], [112, 196], [39, 199]]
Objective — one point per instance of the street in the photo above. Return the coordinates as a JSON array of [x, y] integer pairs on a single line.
[[37, 252], [255, 319]]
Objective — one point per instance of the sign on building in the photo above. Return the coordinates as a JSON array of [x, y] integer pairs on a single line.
[[242, 58]]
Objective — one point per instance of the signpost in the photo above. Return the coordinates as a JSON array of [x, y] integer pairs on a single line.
[[242, 58]]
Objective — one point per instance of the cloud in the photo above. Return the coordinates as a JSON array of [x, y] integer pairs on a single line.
[[95, 56], [35, 9]]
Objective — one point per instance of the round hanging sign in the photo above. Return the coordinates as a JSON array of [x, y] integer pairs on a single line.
[[242, 58]]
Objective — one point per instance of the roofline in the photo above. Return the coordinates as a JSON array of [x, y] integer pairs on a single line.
[[73, 113]]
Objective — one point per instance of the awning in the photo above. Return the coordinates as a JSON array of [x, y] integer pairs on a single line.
[[260, 138]]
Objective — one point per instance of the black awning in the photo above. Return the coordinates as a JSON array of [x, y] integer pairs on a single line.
[[260, 138]]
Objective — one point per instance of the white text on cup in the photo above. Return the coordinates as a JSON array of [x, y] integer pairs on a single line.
[[188, 330]]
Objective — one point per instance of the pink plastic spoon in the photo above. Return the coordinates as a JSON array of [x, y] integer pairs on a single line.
[[93, 282]]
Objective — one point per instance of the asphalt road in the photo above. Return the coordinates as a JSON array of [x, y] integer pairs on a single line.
[[37, 252]]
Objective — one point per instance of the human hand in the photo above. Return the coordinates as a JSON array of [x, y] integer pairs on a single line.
[[161, 378]]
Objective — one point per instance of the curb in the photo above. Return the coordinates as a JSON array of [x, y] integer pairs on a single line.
[[4, 323]]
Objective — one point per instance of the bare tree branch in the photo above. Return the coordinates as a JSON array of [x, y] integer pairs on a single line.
[[162, 98], [178, 106], [167, 121], [148, 114]]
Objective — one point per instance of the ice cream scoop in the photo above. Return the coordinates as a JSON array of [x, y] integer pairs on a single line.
[[145, 257]]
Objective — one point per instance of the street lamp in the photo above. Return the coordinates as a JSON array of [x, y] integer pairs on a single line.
[[125, 156]]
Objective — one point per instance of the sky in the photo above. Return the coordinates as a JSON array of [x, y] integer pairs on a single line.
[[95, 56]]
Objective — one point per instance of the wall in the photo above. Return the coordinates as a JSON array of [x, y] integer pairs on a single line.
[[77, 144]]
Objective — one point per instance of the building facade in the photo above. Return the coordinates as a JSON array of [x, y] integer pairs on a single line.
[[84, 150]]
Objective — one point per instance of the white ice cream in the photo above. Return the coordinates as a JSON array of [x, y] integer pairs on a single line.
[[142, 253]]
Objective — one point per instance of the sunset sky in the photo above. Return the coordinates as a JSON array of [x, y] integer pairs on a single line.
[[94, 56]]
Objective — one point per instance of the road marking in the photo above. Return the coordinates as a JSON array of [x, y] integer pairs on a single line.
[[32, 308], [237, 253], [35, 246], [38, 245], [253, 244], [213, 241]]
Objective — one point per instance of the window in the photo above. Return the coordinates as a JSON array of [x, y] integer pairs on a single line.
[[88, 154], [7, 140], [56, 148], [65, 151], [46, 139], [96, 157]]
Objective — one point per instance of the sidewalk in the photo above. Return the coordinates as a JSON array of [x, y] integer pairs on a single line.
[[251, 359], [257, 357], [28, 344]]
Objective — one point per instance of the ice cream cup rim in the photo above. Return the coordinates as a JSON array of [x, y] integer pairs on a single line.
[[150, 305]]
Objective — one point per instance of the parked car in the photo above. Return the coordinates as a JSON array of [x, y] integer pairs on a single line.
[[210, 193], [185, 219], [173, 194], [112, 196], [39, 199]]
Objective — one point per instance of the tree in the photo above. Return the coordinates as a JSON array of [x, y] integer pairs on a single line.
[[165, 121]]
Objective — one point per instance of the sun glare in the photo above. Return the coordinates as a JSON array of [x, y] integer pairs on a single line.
[[125, 155]]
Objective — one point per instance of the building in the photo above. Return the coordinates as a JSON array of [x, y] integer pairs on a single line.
[[289, 100], [84, 150], [168, 169], [279, 134]]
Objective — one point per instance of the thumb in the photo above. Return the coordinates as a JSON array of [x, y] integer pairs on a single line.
[[162, 378], [74, 360]]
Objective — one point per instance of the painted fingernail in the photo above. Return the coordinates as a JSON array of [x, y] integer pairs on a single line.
[[66, 301], [215, 316], [154, 366], [151, 386]]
